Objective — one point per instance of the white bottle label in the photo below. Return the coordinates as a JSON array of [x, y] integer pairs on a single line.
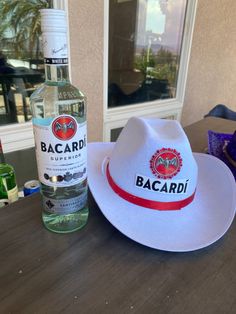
[[61, 151], [65, 206], [55, 48], [13, 194]]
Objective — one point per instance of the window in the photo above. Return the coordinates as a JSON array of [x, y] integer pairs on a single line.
[[21, 59], [21, 68], [148, 50]]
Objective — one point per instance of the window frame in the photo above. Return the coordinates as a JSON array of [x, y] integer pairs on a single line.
[[169, 108], [17, 136]]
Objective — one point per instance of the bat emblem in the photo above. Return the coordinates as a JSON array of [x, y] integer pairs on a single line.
[[64, 127], [166, 163]]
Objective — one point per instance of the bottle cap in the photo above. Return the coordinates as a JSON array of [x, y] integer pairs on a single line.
[[53, 20]]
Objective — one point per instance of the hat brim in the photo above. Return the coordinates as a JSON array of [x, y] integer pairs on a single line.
[[195, 226]]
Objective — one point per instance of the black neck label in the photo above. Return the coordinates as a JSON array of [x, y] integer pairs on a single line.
[[56, 60]]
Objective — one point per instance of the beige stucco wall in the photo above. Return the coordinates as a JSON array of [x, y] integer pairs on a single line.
[[86, 49], [212, 69]]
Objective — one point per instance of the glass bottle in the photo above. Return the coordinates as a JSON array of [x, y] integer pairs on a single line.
[[60, 131], [8, 186]]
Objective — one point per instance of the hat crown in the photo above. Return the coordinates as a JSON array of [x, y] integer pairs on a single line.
[[152, 159]]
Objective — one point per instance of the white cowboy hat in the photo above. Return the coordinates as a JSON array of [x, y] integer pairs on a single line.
[[153, 189]]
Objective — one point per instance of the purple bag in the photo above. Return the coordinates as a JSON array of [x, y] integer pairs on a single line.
[[223, 146]]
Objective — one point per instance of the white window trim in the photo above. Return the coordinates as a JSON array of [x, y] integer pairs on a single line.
[[20, 136], [117, 117]]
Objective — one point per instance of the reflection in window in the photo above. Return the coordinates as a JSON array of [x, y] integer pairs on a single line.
[[21, 61], [145, 38]]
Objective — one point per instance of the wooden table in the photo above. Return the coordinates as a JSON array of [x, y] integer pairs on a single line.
[[98, 270]]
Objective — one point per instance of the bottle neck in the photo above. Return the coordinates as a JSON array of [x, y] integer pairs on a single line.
[[2, 158], [56, 73], [55, 50]]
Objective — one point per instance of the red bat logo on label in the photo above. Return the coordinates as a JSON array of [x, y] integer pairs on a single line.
[[166, 163], [64, 127]]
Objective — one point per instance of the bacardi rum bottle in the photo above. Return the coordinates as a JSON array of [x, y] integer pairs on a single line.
[[59, 123]]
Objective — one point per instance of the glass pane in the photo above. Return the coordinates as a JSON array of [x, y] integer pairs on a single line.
[[115, 134], [21, 60], [145, 38]]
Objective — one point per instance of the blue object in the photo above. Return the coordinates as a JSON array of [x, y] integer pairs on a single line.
[[31, 187], [222, 111]]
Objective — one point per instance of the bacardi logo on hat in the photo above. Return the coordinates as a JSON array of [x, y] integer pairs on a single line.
[[166, 163], [64, 127]]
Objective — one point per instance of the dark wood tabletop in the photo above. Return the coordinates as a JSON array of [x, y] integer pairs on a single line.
[[99, 270]]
